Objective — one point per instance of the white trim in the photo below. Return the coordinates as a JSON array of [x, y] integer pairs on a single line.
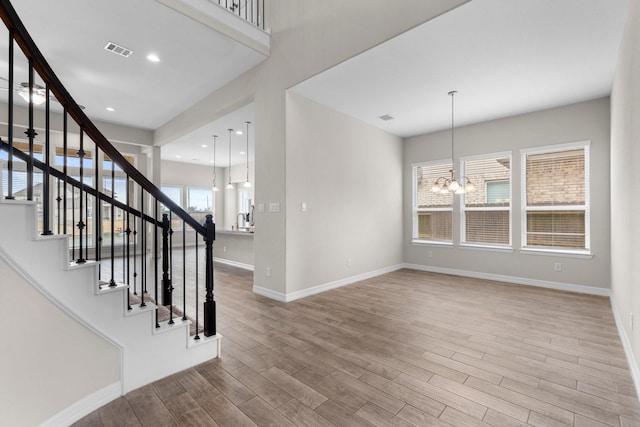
[[424, 242], [279, 296], [487, 248], [85, 406], [234, 263], [570, 287], [628, 349], [556, 253]]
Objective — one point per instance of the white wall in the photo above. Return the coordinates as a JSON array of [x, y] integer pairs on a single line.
[[48, 361], [625, 184], [307, 38], [349, 175], [583, 121]]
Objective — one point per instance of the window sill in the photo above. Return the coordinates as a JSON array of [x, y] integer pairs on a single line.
[[502, 249], [557, 253], [420, 242]]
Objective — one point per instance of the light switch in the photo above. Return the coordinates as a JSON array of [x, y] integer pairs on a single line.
[[260, 207], [274, 207]]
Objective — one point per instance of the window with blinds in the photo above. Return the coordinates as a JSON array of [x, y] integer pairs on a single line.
[[555, 197], [486, 212], [432, 212]]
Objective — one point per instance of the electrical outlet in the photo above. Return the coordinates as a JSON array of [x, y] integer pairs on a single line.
[[224, 249], [429, 254], [631, 320], [268, 271], [304, 206], [348, 262], [557, 266]]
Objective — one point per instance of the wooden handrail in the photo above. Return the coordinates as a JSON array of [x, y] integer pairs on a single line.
[[40, 64]]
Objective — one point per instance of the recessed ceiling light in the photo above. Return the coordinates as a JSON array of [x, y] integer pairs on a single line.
[[210, 161], [178, 157], [242, 153], [111, 109], [238, 132], [153, 57], [204, 146]]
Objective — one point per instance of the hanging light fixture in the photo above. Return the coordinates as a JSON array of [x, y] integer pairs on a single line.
[[446, 185], [215, 187], [247, 184], [36, 94], [229, 185]]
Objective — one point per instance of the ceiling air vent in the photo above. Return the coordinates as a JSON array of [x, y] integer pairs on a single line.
[[118, 50], [386, 117]]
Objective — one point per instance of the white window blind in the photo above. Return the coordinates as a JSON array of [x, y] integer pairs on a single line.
[[555, 197], [487, 210], [432, 219]]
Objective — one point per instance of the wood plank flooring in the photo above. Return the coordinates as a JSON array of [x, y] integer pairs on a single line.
[[405, 349]]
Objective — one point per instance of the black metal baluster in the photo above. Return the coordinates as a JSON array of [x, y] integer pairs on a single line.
[[31, 134], [10, 121], [81, 223], [73, 220], [143, 263], [209, 304], [135, 255], [97, 214], [58, 200], [197, 337], [46, 209], [167, 286], [65, 173], [184, 271], [124, 253], [128, 234], [112, 282], [86, 228]]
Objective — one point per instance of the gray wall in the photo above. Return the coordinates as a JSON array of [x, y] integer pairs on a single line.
[[307, 38], [349, 174], [625, 182], [578, 122]]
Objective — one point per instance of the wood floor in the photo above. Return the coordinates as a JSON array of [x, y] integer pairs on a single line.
[[404, 349]]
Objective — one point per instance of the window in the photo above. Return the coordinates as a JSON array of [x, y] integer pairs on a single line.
[[432, 212], [73, 160], [555, 198], [199, 203], [486, 212]]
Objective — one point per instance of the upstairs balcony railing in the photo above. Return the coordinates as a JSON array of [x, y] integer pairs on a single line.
[[251, 10], [84, 187]]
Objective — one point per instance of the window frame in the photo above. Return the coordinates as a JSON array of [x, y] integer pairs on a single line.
[[524, 209], [416, 210], [463, 202]]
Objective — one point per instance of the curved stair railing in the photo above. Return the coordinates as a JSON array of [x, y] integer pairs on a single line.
[[73, 200]]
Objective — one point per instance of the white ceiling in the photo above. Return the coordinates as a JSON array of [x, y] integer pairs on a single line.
[[194, 59], [504, 57], [190, 147]]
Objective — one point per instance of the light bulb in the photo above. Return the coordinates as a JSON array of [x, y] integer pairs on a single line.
[[247, 184], [229, 186], [453, 186]]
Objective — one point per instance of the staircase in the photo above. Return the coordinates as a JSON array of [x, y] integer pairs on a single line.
[[147, 352], [55, 242]]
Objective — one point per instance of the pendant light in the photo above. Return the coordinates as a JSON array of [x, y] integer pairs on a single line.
[[229, 185], [215, 187], [247, 184], [446, 185]]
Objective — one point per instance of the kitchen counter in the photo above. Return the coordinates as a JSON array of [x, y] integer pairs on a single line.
[[234, 232]]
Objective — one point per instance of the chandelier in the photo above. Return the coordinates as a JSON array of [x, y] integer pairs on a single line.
[[448, 185]]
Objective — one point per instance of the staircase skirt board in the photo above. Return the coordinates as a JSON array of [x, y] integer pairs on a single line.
[[146, 354]]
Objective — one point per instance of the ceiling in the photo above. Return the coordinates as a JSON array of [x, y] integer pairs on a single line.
[[503, 57], [194, 59]]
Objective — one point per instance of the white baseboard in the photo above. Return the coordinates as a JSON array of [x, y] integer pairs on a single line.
[[626, 344], [84, 406], [234, 263], [513, 279], [287, 297]]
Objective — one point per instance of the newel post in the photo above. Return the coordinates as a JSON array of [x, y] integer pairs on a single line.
[[209, 304]]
